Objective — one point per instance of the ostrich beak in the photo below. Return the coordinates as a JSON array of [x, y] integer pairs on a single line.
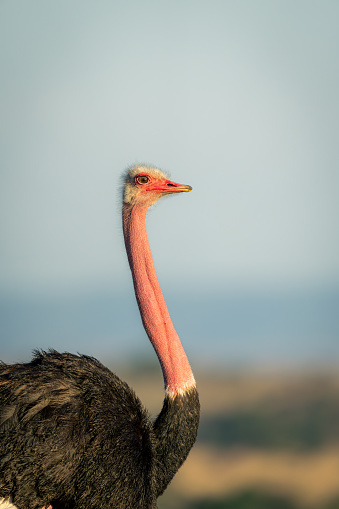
[[169, 187], [182, 188]]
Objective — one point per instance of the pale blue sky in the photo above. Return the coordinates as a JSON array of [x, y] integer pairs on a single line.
[[238, 99]]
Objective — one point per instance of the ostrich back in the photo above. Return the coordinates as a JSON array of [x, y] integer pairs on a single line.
[[73, 435]]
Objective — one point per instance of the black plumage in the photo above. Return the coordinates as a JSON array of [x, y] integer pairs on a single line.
[[73, 435]]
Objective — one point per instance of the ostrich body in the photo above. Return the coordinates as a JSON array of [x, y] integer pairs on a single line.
[[72, 434]]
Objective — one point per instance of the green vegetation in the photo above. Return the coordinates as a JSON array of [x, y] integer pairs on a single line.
[[245, 500], [305, 427], [253, 500]]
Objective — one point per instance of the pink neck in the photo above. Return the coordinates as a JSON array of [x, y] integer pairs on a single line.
[[178, 376]]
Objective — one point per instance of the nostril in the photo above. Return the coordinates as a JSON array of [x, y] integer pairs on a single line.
[[170, 185]]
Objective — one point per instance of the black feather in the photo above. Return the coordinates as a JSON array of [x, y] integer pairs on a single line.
[[73, 435]]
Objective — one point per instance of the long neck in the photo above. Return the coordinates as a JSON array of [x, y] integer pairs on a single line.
[[178, 376]]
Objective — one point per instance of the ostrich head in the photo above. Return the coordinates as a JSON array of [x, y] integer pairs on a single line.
[[144, 185]]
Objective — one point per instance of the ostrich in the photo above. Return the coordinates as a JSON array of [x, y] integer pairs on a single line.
[[72, 434]]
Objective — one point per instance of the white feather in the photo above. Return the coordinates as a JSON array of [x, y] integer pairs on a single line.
[[6, 503]]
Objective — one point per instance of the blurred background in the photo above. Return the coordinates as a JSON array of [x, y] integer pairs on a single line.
[[239, 99]]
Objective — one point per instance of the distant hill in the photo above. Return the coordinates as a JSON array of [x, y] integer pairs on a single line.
[[216, 327]]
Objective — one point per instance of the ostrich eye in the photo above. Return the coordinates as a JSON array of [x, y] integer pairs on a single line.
[[142, 179]]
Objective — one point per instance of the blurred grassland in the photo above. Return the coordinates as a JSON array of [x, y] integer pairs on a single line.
[[266, 440]]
